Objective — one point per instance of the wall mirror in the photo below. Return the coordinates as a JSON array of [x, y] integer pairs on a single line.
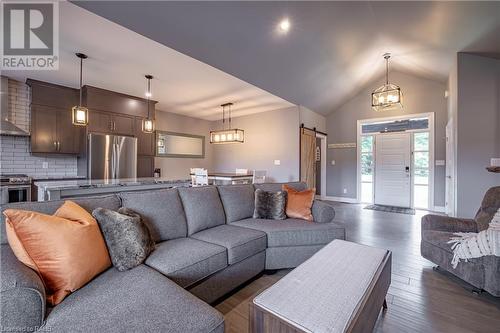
[[171, 144]]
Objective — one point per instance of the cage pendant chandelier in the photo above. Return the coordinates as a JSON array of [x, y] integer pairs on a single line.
[[227, 134], [79, 113], [388, 96]]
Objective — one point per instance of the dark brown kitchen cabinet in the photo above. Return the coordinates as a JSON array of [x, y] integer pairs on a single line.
[[53, 132], [105, 122], [100, 122], [145, 141], [123, 124], [145, 166]]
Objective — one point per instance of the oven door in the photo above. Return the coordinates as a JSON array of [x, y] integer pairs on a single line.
[[15, 193]]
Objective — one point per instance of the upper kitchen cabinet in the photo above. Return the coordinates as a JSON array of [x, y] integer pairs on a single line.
[[51, 128], [111, 123], [98, 99]]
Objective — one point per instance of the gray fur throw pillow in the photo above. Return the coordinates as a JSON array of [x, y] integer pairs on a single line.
[[128, 239], [270, 205]]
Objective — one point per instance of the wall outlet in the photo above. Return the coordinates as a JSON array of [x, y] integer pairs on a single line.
[[333, 162], [277, 162], [345, 191], [45, 165]]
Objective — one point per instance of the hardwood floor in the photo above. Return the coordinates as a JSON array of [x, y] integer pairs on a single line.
[[419, 299]]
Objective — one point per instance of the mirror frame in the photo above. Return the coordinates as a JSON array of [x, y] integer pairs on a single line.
[[157, 137]]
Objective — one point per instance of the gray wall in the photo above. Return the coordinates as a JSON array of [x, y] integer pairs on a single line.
[[478, 129], [269, 136], [178, 168], [420, 96]]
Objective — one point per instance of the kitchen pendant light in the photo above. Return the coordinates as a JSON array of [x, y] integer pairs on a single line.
[[148, 125], [388, 96], [80, 114], [227, 135]]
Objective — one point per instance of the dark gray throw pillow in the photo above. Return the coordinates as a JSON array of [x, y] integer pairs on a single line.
[[128, 239], [270, 205]]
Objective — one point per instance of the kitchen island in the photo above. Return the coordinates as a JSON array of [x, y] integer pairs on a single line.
[[65, 189]]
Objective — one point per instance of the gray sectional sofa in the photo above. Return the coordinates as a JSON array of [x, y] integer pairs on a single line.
[[207, 245]]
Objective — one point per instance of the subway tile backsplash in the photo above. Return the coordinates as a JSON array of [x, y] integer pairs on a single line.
[[15, 156]]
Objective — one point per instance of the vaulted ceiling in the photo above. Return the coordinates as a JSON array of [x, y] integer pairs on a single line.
[[332, 49]]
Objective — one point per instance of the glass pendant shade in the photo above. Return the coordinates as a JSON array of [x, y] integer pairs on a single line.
[[148, 125], [227, 135], [389, 96], [80, 115]]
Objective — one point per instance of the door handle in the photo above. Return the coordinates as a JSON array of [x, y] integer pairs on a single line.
[[407, 169]]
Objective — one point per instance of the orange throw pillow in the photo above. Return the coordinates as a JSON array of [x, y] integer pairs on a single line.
[[66, 249], [299, 203]]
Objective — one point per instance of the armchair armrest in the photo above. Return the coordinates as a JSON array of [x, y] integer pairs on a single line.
[[22, 298], [448, 224], [322, 212]]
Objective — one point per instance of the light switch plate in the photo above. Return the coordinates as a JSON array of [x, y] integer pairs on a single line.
[[45, 165], [440, 162], [333, 162], [495, 162], [277, 162]]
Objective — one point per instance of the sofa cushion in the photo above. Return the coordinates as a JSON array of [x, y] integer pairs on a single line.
[[238, 201], [138, 300], [294, 232], [161, 210], [203, 208], [187, 261], [240, 243], [50, 207], [276, 187]]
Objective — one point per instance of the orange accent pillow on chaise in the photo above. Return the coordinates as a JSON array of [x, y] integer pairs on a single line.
[[66, 249], [299, 203]]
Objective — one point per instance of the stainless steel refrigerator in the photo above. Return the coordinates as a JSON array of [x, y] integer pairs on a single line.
[[112, 156]]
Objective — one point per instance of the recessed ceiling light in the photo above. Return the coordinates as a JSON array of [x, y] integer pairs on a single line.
[[284, 25]]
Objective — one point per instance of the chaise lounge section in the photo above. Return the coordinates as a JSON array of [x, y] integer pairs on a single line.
[[207, 245]]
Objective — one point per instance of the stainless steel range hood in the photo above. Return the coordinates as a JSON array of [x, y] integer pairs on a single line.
[[7, 127]]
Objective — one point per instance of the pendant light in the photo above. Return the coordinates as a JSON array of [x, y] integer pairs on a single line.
[[148, 125], [388, 96], [80, 114], [227, 135]]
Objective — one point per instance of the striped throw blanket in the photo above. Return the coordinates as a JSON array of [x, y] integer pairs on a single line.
[[468, 245]]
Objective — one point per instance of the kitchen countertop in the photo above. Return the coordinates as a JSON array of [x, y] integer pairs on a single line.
[[101, 183]]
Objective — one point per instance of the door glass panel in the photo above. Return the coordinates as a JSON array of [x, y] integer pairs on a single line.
[[422, 177], [366, 143], [421, 160], [366, 192], [367, 167], [421, 196], [422, 141]]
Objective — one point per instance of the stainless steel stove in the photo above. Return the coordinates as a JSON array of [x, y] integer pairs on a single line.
[[15, 188]]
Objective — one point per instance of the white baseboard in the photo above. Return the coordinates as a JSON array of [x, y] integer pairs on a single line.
[[339, 199], [439, 209]]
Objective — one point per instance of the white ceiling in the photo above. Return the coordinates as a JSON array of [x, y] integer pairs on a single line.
[[333, 49], [119, 58]]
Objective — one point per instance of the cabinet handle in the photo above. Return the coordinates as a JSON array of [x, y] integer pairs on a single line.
[[58, 146], [114, 126], [55, 145]]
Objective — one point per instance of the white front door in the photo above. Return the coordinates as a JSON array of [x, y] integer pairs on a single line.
[[450, 170], [392, 169]]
